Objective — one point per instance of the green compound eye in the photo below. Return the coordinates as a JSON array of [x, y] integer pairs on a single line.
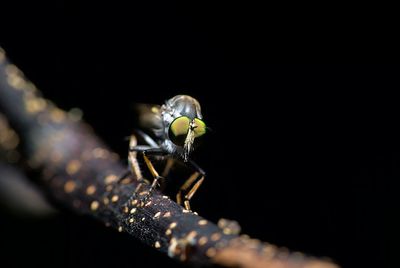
[[199, 127], [179, 129], [180, 126]]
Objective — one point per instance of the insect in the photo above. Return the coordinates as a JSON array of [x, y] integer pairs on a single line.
[[175, 126]]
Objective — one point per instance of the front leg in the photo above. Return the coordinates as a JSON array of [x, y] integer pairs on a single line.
[[145, 151], [134, 148], [198, 176]]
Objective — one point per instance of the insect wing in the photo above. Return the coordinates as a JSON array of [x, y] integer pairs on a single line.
[[149, 115]]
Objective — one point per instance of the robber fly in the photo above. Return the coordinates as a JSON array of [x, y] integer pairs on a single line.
[[175, 126]]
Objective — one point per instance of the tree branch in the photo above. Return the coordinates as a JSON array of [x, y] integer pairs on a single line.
[[80, 172]]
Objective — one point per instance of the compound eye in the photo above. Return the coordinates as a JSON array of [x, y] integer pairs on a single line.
[[179, 129], [199, 127]]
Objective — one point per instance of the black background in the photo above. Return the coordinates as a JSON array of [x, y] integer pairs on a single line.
[[303, 156]]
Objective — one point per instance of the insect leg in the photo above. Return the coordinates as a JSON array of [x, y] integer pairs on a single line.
[[153, 172], [149, 140], [197, 168], [134, 166], [185, 186], [132, 159], [146, 150], [132, 162], [198, 175], [168, 166]]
